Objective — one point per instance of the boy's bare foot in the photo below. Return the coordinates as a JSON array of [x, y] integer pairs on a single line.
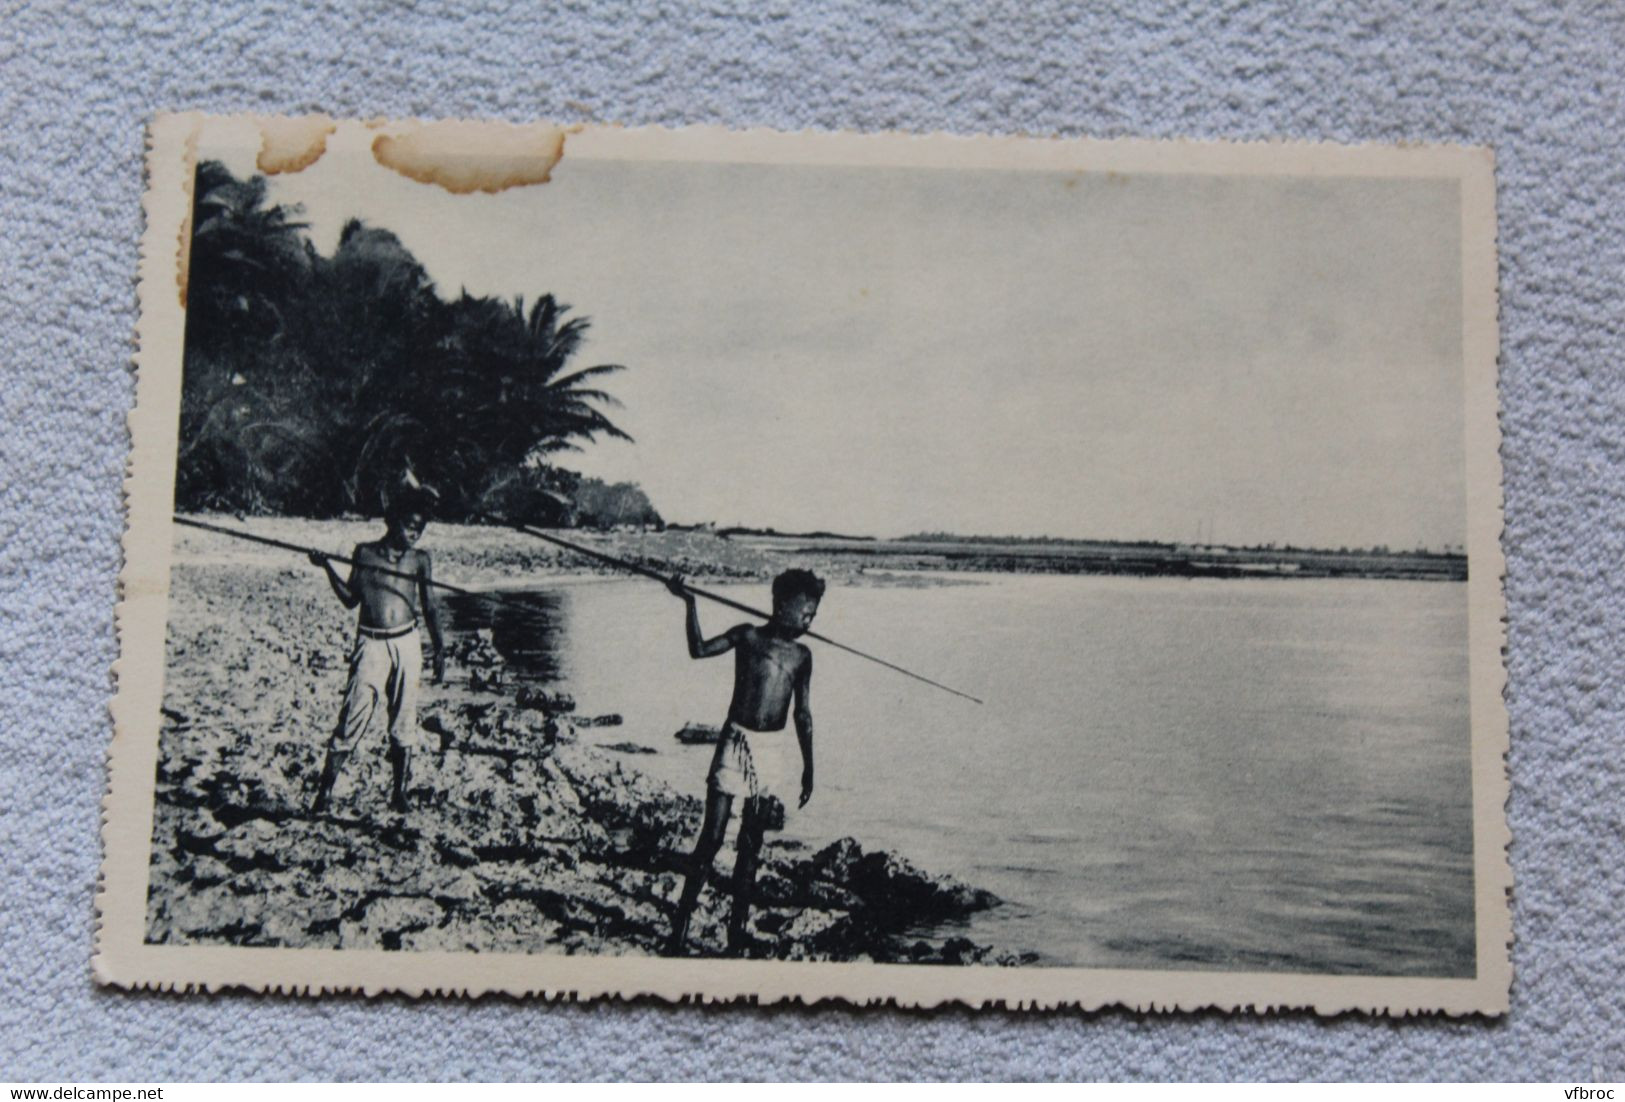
[[324, 786], [400, 761]]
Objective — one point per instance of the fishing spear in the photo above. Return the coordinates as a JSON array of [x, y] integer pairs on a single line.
[[612, 560], [638, 568], [267, 541]]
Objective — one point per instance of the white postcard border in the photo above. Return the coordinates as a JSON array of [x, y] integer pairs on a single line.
[[123, 959]]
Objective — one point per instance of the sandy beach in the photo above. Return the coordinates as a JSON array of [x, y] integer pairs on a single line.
[[521, 838]]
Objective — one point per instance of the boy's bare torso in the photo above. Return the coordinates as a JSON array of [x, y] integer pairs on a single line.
[[766, 668], [387, 601]]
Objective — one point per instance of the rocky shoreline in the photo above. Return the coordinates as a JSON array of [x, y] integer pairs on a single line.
[[520, 838]]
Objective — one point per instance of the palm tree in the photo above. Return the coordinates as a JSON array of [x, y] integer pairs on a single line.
[[562, 411], [541, 408], [494, 401], [240, 426], [312, 384], [244, 255]]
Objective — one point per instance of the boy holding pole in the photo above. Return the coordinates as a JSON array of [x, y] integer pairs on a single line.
[[772, 678], [389, 579]]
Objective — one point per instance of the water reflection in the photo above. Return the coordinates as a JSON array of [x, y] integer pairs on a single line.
[[528, 628]]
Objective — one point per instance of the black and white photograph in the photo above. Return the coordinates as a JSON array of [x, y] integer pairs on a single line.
[[740, 564]]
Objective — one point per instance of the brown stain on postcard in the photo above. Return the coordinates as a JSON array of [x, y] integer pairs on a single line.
[[465, 157], [292, 145], [183, 253]]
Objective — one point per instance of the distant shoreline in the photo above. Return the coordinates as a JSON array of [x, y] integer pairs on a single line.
[[1134, 559], [495, 556]]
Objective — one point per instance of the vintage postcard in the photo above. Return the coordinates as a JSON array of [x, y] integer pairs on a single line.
[[811, 566]]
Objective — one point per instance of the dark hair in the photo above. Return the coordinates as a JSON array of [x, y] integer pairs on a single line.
[[797, 582], [406, 502]]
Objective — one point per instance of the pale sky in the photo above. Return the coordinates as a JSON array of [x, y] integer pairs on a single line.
[[889, 350]]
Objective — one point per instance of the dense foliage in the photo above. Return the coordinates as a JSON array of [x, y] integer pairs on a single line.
[[315, 384]]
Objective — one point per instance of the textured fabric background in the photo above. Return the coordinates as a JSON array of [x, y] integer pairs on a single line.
[[1540, 81]]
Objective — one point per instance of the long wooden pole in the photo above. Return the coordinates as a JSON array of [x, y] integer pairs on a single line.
[[637, 568], [600, 556], [285, 546]]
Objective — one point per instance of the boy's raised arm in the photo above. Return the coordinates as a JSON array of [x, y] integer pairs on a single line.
[[698, 645], [348, 592], [431, 614]]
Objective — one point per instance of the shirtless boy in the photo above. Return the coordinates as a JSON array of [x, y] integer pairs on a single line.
[[771, 671], [389, 579]]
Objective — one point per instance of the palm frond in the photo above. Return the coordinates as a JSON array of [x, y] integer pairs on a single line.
[[565, 382]]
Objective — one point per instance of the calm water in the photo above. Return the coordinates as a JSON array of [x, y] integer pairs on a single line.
[[1167, 773]]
